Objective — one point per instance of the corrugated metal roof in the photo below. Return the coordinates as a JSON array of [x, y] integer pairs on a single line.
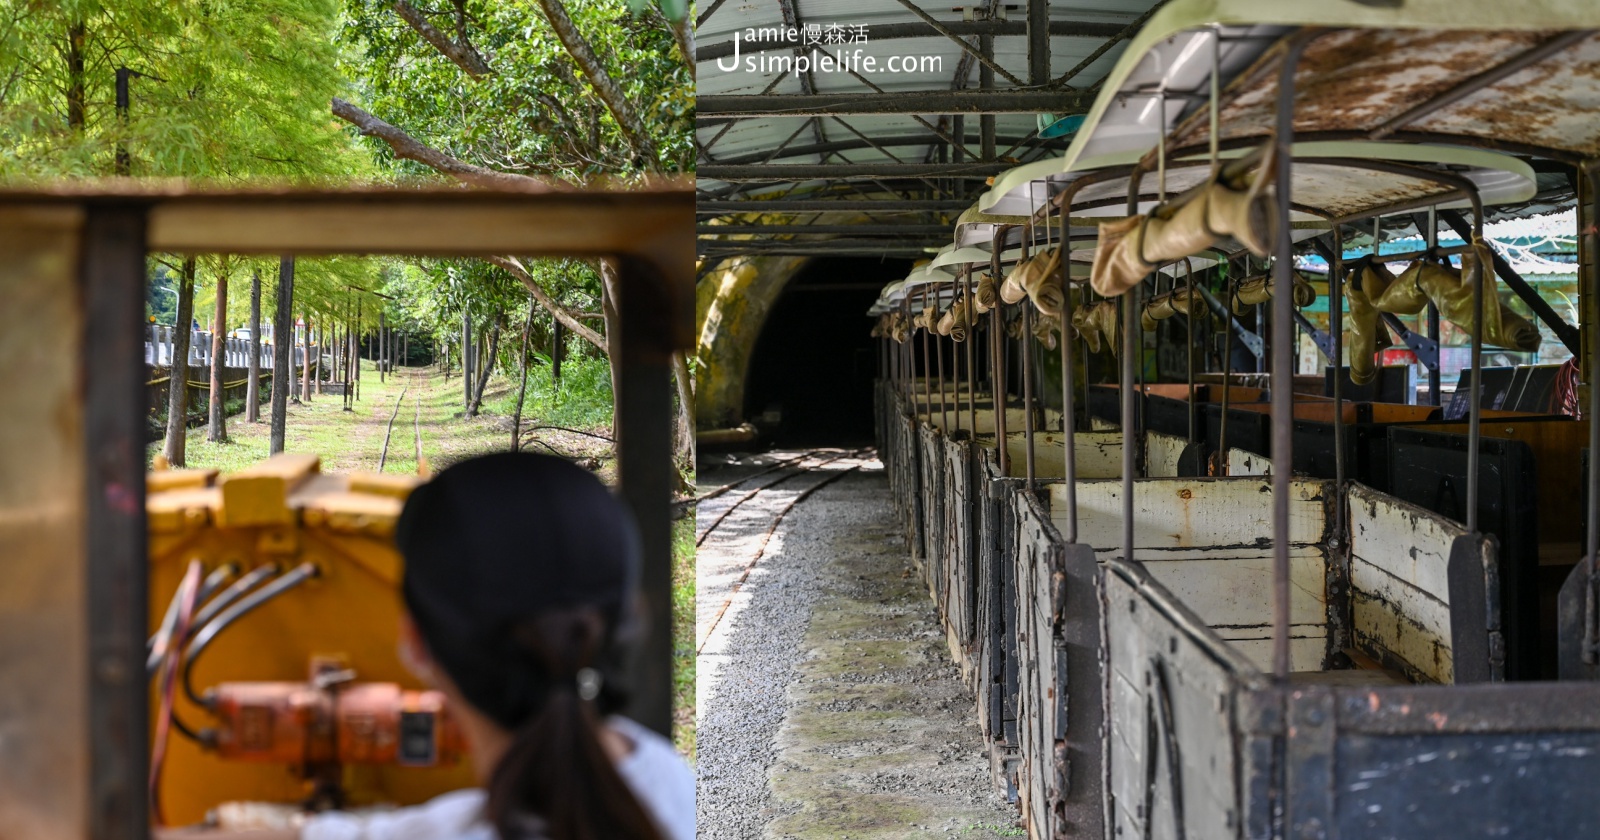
[[940, 65]]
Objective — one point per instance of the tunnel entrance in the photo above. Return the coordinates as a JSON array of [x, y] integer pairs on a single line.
[[810, 377]]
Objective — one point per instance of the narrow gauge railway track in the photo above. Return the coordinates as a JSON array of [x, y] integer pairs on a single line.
[[712, 494], [416, 426], [791, 468]]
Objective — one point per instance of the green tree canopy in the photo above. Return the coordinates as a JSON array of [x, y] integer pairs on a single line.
[[224, 89]]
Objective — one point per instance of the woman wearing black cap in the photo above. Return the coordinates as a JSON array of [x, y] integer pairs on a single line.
[[519, 584]]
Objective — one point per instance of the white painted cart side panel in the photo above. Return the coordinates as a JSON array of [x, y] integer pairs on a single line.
[[1127, 752], [1184, 512], [1389, 614], [1243, 462], [1161, 452], [1403, 539], [1048, 459], [958, 512], [1236, 592], [1305, 653], [1200, 691], [1099, 454], [1037, 677], [1399, 570], [930, 413]]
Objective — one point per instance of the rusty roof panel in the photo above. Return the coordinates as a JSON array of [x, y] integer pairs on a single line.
[[1354, 81], [1554, 104]]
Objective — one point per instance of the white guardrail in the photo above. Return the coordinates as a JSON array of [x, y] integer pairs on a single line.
[[158, 349]]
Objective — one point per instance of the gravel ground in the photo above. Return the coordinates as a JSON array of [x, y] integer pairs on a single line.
[[832, 708], [744, 665]]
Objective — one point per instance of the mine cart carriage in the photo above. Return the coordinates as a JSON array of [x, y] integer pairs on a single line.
[[1273, 605]]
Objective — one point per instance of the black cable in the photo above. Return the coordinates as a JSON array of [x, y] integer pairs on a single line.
[[213, 581], [207, 587], [231, 594], [183, 728], [300, 574]]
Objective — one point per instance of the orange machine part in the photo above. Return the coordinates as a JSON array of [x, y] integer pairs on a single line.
[[286, 512], [300, 725]]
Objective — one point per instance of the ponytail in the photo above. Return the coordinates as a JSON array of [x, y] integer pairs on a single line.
[[556, 770]]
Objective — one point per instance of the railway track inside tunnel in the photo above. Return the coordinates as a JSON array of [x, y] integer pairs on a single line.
[[749, 522], [789, 468]]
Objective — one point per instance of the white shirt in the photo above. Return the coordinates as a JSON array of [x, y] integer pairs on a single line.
[[657, 775]]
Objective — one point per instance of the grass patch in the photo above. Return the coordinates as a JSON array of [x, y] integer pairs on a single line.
[[683, 731], [582, 400]]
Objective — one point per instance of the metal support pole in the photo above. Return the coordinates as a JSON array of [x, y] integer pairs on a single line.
[[646, 473], [1069, 420], [1125, 384], [1432, 240], [925, 401], [1130, 322], [1282, 409], [1475, 419], [111, 280], [996, 363], [1590, 653], [972, 356], [905, 352], [1038, 42], [986, 122], [1336, 326], [938, 349], [1027, 368], [1027, 390], [955, 362]]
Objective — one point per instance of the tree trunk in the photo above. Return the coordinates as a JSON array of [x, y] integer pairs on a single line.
[[252, 394], [685, 417], [282, 343], [608, 309], [352, 370], [178, 385], [466, 361], [319, 344], [558, 347], [683, 34], [564, 316], [217, 414], [584, 56], [486, 366], [77, 98], [383, 349], [522, 392], [355, 350], [305, 361], [355, 365], [480, 359]]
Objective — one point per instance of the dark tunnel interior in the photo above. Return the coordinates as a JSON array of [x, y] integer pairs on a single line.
[[810, 377]]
